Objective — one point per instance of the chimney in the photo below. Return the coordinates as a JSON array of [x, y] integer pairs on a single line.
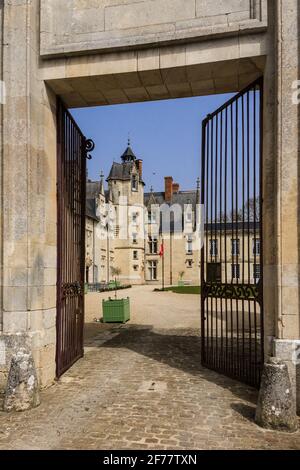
[[168, 188], [175, 188], [140, 168]]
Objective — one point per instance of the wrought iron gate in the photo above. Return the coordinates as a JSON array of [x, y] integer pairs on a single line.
[[231, 256], [72, 151]]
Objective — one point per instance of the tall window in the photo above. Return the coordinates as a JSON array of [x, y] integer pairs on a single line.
[[213, 247], [235, 271], [256, 272], [189, 216], [153, 244], [152, 269], [151, 217], [256, 247], [235, 247], [189, 247], [134, 183], [135, 254]]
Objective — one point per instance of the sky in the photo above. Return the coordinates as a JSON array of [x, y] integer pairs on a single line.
[[166, 135]]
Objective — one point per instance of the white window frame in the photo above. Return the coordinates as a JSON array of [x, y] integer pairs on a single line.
[[213, 243], [236, 271], [235, 246], [256, 242], [152, 269], [152, 242]]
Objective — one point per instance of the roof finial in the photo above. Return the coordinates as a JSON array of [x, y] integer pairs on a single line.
[[128, 139], [198, 183], [151, 189]]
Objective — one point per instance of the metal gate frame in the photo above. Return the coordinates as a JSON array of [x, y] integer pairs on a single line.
[[72, 152], [232, 324]]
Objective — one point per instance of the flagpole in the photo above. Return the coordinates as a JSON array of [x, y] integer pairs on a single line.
[[163, 266]]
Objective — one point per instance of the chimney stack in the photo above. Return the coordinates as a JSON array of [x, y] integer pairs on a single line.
[[140, 168], [168, 188], [175, 188]]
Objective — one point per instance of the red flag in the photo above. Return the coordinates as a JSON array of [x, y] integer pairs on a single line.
[[162, 250]]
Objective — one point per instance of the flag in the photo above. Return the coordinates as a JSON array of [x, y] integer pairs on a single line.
[[162, 250]]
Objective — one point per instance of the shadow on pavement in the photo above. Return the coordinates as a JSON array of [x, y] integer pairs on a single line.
[[178, 348]]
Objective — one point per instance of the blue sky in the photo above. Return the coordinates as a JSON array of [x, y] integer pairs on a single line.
[[165, 134]]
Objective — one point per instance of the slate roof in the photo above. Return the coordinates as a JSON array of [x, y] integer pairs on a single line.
[[128, 155], [182, 198], [121, 171], [90, 210], [92, 189], [232, 226]]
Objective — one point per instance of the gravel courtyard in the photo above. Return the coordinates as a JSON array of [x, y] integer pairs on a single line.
[[141, 386]]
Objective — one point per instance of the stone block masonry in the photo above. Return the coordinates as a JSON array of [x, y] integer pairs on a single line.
[[70, 27]]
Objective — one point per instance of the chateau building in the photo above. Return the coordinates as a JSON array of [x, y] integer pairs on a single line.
[[128, 228], [149, 235], [233, 254]]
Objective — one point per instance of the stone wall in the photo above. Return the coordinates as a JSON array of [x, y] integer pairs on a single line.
[[28, 195], [74, 26]]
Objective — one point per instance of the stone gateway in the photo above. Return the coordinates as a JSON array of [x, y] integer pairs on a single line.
[[97, 53]]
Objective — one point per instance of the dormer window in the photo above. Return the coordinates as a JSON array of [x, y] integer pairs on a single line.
[[151, 216], [134, 183]]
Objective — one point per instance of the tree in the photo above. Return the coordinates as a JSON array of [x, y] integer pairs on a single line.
[[115, 271], [250, 212]]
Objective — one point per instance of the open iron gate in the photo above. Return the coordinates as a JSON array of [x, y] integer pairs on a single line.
[[72, 152], [231, 256]]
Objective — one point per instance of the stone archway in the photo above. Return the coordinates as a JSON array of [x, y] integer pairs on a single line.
[[90, 65]]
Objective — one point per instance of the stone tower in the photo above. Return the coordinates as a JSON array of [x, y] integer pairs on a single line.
[[126, 186]]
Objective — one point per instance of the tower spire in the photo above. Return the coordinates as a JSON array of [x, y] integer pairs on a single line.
[[101, 182], [128, 155]]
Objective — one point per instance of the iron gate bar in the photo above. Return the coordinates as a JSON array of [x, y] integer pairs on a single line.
[[232, 305], [72, 152]]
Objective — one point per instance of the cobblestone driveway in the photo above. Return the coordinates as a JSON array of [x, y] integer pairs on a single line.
[[140, 386]]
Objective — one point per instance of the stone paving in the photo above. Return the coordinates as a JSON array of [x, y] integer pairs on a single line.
[[141, 386]]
